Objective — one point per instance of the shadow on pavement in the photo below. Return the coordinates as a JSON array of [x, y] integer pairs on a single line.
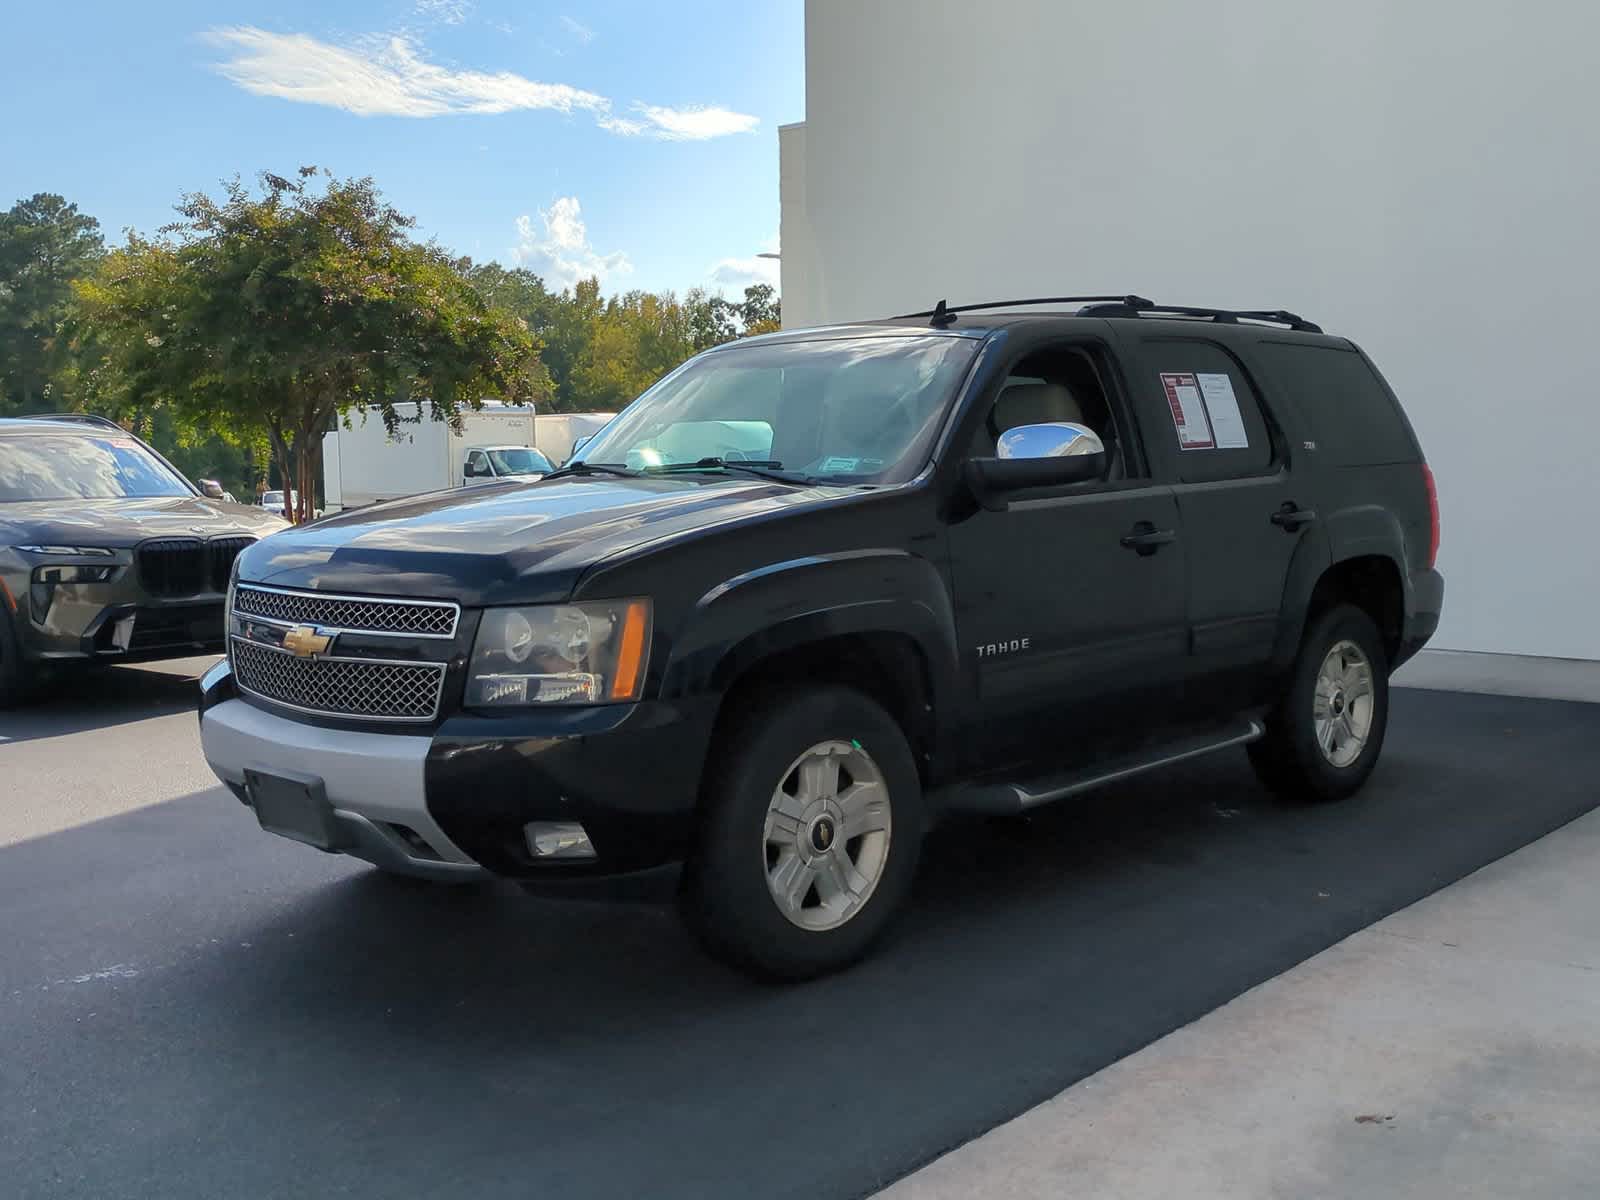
[[94, 698], [321, 1029]]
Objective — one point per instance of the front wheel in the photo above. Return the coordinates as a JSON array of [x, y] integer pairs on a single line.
[[1324, 738], [809, 837]]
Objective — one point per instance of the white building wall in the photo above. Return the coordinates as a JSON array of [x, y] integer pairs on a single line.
[[1422, 176]]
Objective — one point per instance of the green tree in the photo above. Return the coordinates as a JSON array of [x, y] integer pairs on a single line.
[[278, 313], [45, 244], [761, 311]]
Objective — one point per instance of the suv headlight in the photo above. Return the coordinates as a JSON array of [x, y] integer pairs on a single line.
[[592, 653]]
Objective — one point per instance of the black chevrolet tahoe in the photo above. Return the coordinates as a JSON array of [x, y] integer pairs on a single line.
[[815, 590]]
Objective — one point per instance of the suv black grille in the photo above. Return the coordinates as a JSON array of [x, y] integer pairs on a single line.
[[432, 618], [346, 687], [221, 553], [188, 566]]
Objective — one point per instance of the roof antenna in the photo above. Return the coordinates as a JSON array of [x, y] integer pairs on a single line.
[[941, 318]]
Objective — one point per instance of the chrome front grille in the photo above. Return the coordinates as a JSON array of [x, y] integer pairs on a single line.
[[352, 614], [346, 687]]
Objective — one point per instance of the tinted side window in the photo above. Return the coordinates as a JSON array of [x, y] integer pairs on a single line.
[[1356, 421], [1215, 416]]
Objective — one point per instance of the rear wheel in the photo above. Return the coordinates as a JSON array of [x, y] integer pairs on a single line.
[[1324, 738], [810, 835]]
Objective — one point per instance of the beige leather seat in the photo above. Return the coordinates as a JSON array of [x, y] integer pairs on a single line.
[[1035, 404]]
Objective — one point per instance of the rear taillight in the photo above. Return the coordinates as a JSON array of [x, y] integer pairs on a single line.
[[1433, 516]]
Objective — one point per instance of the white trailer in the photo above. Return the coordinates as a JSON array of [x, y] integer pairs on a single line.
[[555, 434], [364, 464]]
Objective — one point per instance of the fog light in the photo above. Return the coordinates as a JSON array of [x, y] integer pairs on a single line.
[[557, 839]]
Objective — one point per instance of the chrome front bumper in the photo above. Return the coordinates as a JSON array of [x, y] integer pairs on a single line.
[[374, 782]]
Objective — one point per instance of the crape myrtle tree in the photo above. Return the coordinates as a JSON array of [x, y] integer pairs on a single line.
[[279, 310]]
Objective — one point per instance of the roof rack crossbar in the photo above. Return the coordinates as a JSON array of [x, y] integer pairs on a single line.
[[78, 419]]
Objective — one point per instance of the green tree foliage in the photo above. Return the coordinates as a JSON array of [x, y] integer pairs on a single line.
[[602, 353], [277, 312], [232, 338], [45, 244]]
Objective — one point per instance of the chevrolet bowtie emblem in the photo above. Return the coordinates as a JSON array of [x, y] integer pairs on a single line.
[[304, 641]]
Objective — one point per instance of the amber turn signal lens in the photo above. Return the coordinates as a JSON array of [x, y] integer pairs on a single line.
[[627, 679]]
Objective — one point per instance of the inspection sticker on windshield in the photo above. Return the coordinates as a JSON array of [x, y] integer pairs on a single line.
[[837, 465], [1188, 411]]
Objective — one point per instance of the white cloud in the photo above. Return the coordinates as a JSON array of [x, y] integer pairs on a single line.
[[681, 124], [381, 77], [561, 252], [742, 272], [447, 12], [577, 29], [392, 77]]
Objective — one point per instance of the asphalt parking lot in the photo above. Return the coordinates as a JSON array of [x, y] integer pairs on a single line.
[[190, 1008]]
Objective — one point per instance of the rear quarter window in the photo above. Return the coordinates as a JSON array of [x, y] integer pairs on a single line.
[[1206, 375], [1356, 421]]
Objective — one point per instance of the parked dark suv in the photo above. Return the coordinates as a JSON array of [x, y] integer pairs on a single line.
[[107, 553], [813, 590]]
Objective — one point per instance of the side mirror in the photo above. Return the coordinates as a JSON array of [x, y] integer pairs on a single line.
[[1054, 454], [213, 489]]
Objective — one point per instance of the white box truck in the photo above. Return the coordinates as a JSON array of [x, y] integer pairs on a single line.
[[363, 464], [556, 433]]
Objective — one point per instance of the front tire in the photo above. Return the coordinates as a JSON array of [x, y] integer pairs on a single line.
[[810, 834], [1324, 738]]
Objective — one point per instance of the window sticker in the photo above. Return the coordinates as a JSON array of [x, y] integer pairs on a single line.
[[837, 465], [1222, 406], [1188, 411]]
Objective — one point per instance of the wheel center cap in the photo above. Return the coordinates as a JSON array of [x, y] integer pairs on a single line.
[[1338, 703], [823, 833]]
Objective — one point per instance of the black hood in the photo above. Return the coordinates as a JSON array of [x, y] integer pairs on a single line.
[[125, 521], [517, 543]]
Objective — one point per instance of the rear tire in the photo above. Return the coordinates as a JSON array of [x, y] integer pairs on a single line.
[[1324, 737], [809, 838]]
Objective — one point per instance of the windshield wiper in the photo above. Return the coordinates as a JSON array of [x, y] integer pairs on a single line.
[[761, 468], [589, 468]]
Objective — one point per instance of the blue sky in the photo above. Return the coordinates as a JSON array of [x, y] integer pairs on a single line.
[[630, 138]]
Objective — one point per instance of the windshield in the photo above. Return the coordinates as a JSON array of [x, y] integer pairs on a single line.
[[81, 467], [519, 461], [271, 499], [848, 410]]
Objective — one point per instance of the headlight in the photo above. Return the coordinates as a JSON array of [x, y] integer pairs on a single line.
[[560, 654], [93, 551]]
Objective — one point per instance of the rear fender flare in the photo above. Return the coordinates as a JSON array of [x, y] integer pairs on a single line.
[[1359, 532]]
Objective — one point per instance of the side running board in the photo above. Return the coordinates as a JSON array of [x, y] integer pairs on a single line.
[[1017, 796]]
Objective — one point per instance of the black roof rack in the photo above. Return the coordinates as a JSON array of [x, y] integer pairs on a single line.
[[943, 315], [1228, 316], [78, 419]]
